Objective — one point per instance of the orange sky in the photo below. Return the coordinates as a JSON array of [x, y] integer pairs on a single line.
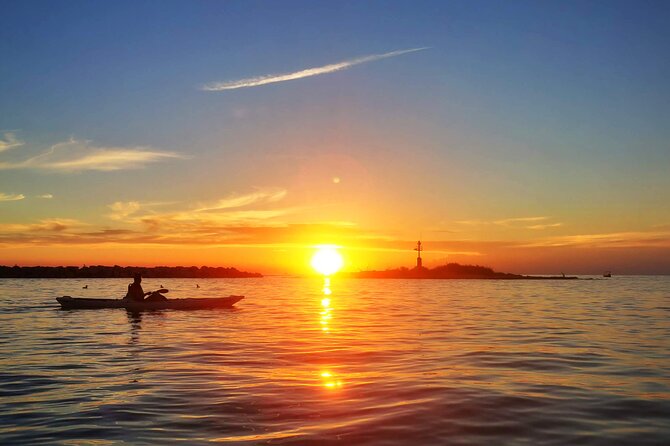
[[493, 141]]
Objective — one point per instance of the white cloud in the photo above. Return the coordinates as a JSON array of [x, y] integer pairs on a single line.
[[502, 222], [608, 240], [11, 197], [78, 155], [273, 78], [236, 201], [245, 209], [122, 209], [547, 226], [46, 196], [9, 141], [508, 221], [46, 225]]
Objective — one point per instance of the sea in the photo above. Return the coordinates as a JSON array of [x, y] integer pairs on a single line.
[[313, 361]]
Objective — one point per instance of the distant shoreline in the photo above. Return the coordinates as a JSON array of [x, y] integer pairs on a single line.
[[451, 271], [110, 272]]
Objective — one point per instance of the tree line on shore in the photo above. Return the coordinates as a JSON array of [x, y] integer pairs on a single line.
[[103, 272], [448, 271]]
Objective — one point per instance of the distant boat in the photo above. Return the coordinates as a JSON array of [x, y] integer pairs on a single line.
[[607, 274]]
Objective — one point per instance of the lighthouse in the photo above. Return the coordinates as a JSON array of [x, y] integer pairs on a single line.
[[418, 257]]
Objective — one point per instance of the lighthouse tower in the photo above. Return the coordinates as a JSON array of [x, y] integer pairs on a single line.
[[418, 249]]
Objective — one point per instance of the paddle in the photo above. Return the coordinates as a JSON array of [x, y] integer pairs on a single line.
[[162, 291]]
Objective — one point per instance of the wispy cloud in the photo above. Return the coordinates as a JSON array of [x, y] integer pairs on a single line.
[[631, 239], [46, 225], [236, 201], [122, 209], [509, 221], [331, 68], [534, 223], [11, 197], [9, 141], [134, 211], [547, 226], [78, 155], [236, 209], [45, 196]]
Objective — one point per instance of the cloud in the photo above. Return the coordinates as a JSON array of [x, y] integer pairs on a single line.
[[547, 226], [236, 201], [472, 222], [509, 221], [78, 155], [234, 210], [631, 239], [9, 141], [515, 223], [122, 209], [46, 225], [55, 232], [46, 196], [331, 68], [11, 197], [512, 222]]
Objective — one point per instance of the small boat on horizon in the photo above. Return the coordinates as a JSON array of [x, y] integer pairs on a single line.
[[607, 274]]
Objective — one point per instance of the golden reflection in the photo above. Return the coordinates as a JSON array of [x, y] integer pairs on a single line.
[[326, 312], [330, 381]]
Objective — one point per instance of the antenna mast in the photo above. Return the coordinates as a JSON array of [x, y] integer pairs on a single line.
[[418, 249]]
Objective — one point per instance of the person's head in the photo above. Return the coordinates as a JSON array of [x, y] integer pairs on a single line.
[[137, 278]]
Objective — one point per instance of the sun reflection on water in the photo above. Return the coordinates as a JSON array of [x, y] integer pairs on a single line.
[[326, 311], [329, 379]]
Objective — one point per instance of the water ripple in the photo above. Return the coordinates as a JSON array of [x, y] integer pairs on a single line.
[[377, 362]]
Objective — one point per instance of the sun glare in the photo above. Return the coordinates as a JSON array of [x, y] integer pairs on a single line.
[[327, 260]]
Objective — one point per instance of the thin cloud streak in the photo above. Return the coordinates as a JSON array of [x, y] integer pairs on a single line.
[[9, 142], [309, 72], [515, 223], [631, 239], [11, 197], [108, 160], [236, 201], [236, 209], [76, 155], [45, 225], [548, 226], [508, 221]]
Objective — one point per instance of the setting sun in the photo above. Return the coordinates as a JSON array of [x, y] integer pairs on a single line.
[[327, 260]]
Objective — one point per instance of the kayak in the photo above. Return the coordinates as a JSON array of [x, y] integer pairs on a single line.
[[70, 303]]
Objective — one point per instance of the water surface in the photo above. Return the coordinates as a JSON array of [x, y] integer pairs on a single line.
[[373, 362]]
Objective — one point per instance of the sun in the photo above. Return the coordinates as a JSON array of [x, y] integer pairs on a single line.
[[327, 260]]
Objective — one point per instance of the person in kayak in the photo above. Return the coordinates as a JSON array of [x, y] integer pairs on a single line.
[[135, 291]]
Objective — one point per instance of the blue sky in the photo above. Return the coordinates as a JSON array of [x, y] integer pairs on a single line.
[[516, 110]]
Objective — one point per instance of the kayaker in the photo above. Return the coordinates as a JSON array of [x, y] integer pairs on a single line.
[[135, 291]]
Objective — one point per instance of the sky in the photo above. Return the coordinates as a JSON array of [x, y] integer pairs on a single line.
[[531, 137]]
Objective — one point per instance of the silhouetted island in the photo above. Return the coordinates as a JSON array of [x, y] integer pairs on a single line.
[[104, 272], [450, 271]]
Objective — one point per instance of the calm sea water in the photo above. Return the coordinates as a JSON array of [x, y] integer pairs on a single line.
[[375, 362]]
